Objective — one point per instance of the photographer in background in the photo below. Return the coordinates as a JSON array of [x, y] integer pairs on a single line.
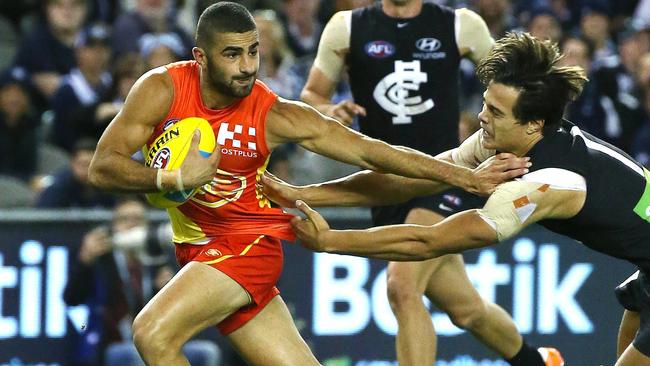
[[118, 269]]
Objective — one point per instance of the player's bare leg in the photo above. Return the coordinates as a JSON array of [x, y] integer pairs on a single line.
[[632, 357], [627, 331], [198, 296], [446, 284], [452, 292], [415, 342], [271, 339]]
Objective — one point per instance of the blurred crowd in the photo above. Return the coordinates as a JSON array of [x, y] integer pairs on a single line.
[[66, 67]]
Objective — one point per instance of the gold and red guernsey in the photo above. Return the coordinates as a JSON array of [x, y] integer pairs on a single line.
[[231, 204]]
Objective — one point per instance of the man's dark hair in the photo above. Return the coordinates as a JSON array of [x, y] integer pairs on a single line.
[[222, 17], [528, 64]]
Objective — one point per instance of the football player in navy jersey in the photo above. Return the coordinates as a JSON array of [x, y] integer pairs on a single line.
[[402, 58], [578, 185]]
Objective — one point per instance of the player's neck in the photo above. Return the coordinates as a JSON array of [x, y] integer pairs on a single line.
[[408, 10], [528, 145]]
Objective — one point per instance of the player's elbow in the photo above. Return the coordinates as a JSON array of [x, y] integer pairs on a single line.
[[97, 173]]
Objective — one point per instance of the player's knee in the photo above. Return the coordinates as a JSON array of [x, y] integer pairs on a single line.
[[402, 294], [469, 317], [151, 337]]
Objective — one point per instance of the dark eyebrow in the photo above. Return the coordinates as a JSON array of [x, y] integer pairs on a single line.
[[239, 49], [232, 49], [496, 111]]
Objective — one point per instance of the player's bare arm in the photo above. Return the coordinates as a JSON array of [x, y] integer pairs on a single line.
[[289, 121], [501, 218], [472, 35], [326, 72], [146, 105], [368, 188]]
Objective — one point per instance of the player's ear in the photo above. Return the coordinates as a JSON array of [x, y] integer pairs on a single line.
[[200, 55], [535, 126]]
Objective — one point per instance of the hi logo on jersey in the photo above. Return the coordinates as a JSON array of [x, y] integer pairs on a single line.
[[393, 92], [231, 138], [429, 49], [428, 44]]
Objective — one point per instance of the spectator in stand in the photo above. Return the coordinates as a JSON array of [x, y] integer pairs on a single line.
[[70, 187], [19, 125], [158, 49], [276, 59], [594, 25], [302, 27], [591, 110], [82, 88], [118, 269], [616, 78], [497, 16], [543, 24], [53, 40], [149, 16], [128, 68]]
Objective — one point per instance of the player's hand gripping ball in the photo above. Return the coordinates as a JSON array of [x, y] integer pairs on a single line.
[[168, 151]]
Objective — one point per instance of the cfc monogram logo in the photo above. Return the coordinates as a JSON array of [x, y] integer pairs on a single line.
[[236, 136], [392, 92]]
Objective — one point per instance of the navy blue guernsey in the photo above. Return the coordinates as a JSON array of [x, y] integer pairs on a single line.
[[405, 73], [615, 218]]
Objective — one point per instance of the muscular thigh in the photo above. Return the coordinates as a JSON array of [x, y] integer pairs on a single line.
[[271, 339], [197, 297], [450, 289], [417, 274]]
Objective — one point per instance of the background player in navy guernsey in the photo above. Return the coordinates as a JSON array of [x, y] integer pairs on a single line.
[[578, 185], [403, 62]]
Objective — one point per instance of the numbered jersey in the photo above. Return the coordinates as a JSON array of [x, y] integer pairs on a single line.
[[615, 219], [231, 204], [405, 73]]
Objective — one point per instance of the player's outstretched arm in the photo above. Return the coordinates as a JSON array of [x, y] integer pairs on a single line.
[[290, 121], [365, 188], [459, 232], [507, 212], [147, 104]]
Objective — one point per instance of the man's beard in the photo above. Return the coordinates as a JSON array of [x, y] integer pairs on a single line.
[[226, 87]]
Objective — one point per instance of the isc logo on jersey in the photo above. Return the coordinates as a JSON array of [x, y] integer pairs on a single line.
[[379, 49]]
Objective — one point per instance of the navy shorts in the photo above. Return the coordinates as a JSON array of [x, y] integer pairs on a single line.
[[446, 203], [634, 295]]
